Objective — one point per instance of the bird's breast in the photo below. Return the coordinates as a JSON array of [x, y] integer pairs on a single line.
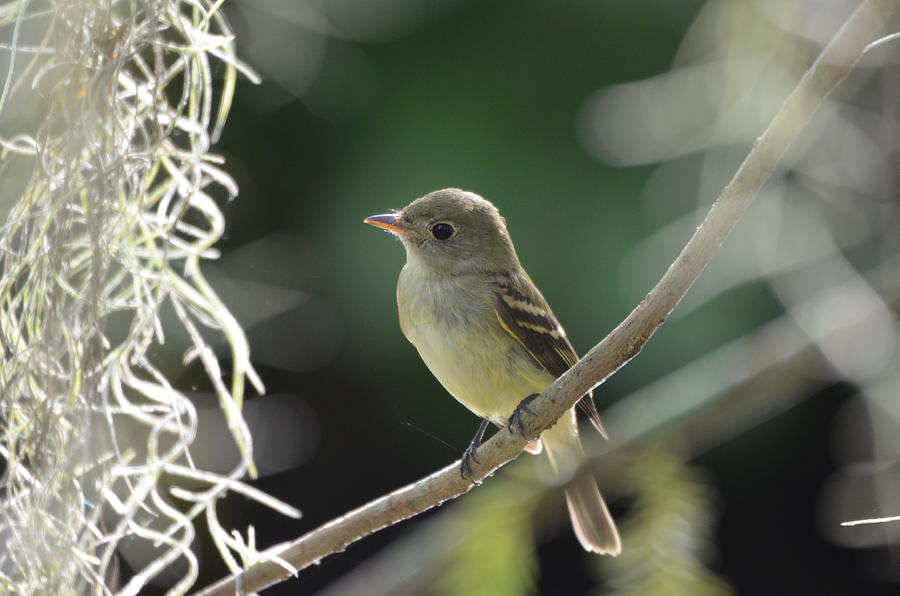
[[453, 325]]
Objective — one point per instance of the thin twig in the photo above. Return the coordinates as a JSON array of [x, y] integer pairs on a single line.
[[876, 520], [836, 61]]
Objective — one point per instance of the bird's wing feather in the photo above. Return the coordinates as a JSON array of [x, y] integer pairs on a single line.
[[524, 313]]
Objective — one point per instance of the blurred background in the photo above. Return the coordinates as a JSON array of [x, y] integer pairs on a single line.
[[762, 415]]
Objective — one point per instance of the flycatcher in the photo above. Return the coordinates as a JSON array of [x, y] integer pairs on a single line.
[[487, 334]]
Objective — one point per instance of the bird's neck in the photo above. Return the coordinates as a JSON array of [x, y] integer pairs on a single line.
[[456, 270]]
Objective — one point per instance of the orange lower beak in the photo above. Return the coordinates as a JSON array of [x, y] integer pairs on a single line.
[[392, 222]]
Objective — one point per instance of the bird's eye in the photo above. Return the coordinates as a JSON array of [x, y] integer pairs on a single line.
[[442, 231]]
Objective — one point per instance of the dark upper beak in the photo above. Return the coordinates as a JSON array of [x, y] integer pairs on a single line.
[[392, 222]]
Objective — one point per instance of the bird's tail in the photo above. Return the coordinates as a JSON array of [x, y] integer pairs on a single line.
[[593, 525]]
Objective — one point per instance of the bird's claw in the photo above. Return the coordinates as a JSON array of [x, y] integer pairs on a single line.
[[465, 466], [516, 424]]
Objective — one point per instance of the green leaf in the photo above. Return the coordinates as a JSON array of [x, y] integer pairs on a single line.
[[494, 552], [666, 538]]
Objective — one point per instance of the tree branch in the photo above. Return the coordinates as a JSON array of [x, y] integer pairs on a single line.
[[836, 61]]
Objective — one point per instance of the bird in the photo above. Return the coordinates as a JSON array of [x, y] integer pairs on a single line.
[[487, 334]]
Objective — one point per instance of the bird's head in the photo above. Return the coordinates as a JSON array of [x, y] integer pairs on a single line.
[[451, 230]]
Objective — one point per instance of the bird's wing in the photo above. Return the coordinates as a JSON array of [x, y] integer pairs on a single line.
[[524, 313]]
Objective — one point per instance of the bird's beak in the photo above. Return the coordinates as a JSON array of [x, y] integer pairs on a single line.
[[392, 222]]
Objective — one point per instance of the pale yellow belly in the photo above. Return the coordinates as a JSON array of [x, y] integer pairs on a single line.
[[487, 371]]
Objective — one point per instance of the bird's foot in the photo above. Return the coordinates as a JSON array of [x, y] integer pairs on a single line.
[[516, 424], [465, 466]]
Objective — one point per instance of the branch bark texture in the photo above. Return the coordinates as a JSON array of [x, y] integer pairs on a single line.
[[836, 61]]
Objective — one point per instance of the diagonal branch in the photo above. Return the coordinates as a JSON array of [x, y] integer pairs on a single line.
[[836, 61]]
